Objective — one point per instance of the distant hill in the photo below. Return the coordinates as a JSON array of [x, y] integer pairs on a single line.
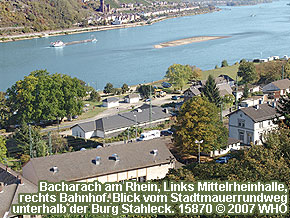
[[40, 15]]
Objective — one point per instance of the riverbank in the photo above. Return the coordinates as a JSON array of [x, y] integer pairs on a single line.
[[50, 33], [188, 41]]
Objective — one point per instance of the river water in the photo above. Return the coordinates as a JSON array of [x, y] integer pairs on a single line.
[[127, 55]]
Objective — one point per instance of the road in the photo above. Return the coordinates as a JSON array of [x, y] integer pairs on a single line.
[[123, 107]]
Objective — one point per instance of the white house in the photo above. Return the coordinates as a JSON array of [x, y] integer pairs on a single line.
[[240, 91], [255, 100], [132, 98], [249, 124], [111, 102]]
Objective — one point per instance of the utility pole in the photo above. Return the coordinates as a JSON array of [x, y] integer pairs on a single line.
[[30, 142], [221, 111], [198, 142], [49, 143], [282, 71], [136, 126], [150, 107], [236, 104]]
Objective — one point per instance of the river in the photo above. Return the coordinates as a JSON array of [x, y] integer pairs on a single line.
[[128, 56]]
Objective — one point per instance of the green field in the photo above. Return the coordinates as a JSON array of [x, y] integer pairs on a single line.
[[230, 71], [93, 110]]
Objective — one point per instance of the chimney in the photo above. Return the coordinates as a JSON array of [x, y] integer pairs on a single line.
[[98, 160], [154, 152], [257, 107], [54, 169], [274, 104], [116, 157], [20, 180], [1, 187]]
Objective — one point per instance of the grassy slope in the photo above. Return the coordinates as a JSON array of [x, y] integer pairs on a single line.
[[230, 71]]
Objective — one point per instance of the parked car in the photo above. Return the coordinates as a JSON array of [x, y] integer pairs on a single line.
[[166, 132], [166, 85], [222, 159], [149, 135], [175, 97]]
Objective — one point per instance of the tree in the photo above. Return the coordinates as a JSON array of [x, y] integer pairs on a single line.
[[179, 75], [283, 108], [199, 120], [41, 96], [248, 72], [4, 110], [125, 88], [3, 149], [211, 91], [271, 71], [195, 74], [228, 100], [23, 140], [246, 91], [267, 162], [224, 63], [109, 88], [145, 91], [95, 96]]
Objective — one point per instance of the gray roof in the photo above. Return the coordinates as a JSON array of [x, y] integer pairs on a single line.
[[79, 165], [226, 77], [265, 112], [134, 95], [277, 85], [87, 126], [225, 89], [194, 89], [232, 141], [128, 119], [12, 188], [123, 120], [112, 99]]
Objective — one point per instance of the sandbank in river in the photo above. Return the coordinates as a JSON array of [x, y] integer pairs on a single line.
[[188, 41]]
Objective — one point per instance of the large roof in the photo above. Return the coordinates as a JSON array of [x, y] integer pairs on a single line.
[[126, 119], [87, 126], [80, 165], [263, 112], [112, 99]]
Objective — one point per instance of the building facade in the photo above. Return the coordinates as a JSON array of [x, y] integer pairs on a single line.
[[250, 124]]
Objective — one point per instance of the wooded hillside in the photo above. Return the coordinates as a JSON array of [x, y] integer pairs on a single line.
[[39, 15]]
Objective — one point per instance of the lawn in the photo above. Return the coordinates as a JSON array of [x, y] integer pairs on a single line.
[[230, 71], [93, 110]]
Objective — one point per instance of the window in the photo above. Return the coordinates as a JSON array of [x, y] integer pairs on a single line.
[[241, 135], [269, 122], [241, 123], [142, 179], [261, 124]]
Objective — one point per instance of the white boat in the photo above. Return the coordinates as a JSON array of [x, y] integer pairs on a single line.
[[57, 44], [94, 40]]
